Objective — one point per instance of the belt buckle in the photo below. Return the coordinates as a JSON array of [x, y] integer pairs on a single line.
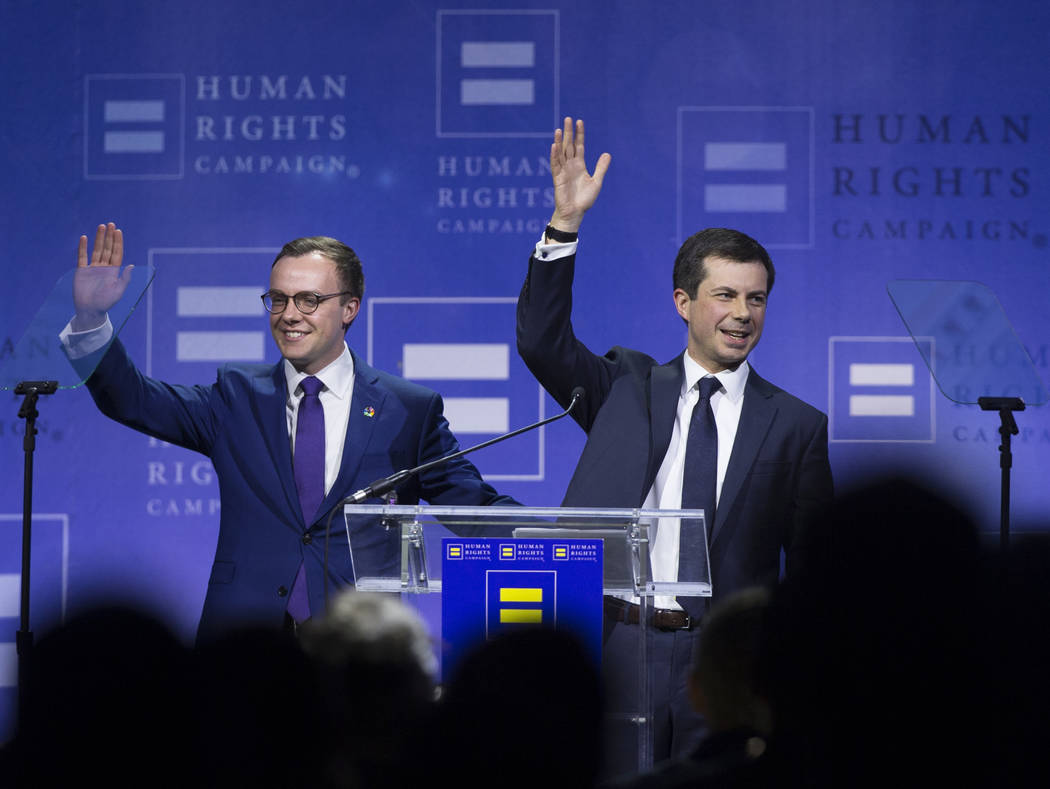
[[669, 614]]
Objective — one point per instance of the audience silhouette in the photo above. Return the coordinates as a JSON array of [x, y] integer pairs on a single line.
[[903, 652]]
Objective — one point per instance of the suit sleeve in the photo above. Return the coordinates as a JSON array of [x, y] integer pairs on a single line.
[[548, 344], [181, 415]]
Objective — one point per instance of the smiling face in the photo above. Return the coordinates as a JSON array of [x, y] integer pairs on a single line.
[[726, 313], [310, 341]]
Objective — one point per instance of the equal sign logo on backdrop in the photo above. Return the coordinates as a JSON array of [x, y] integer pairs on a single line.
[[464, 362], [49, 584], [879, 376], [218, 345], [133, 126], [766, 159], [202, 311], [749, 168], [879, 391], [116, 115], [497, 73], [462, 348], [10, 609], [497, 55]]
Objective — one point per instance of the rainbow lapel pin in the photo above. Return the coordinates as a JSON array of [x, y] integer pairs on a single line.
[[369, 411]]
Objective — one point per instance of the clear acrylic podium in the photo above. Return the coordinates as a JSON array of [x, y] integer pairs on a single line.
[[397, 548]]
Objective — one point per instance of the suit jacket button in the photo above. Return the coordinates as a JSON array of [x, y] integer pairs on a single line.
[[307, 538], [282, 591]]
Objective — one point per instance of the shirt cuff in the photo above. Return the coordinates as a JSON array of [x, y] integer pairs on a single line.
[[78, 344], [554, 251]]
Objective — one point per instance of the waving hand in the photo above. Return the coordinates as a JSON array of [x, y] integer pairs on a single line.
[[575, 190], [99, 283]]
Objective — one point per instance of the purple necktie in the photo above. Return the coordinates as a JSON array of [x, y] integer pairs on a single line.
[[699, 486], [309, 479]]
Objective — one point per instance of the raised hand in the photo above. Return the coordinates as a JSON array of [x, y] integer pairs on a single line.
[[575, 190], [98, 282]]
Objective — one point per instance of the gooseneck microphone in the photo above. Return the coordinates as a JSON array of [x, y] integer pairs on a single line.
[[383, 486]]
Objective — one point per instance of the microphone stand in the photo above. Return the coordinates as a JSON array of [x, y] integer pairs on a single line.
[[381, 487], [32, 390], [1007, 428]]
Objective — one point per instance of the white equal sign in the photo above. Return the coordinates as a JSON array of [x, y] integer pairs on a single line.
[[138, 140], [10, 608], [882, 375], [219, 302], [464, 362], [497, 54], [750, 157]]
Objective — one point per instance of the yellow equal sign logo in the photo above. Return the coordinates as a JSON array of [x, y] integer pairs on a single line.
[[511, 594], [506, 551], [455, 551], [561, 551]]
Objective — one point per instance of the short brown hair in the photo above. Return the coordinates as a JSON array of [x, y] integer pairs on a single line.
[[717, 242], [347, 263]]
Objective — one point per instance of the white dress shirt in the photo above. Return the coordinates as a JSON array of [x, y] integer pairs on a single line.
[[666, 492], [79, 344]]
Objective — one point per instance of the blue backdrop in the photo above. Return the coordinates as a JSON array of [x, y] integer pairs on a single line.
[[861, 142]]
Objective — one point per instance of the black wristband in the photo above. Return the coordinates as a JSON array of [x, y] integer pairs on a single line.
[[561, 236]]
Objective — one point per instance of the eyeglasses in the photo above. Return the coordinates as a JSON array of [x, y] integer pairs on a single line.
[[275, 301]]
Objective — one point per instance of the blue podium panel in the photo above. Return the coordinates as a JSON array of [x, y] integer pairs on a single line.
[[492, 586]]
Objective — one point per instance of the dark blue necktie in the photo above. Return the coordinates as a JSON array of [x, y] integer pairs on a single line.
[[309, 479], [699, 485]]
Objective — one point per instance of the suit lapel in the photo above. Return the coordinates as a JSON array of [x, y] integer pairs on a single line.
[[271, 403], [665, 387], [366, 407], [756, 417]]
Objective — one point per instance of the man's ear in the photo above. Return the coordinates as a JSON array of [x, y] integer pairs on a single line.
[[350, 310], [681, 303]]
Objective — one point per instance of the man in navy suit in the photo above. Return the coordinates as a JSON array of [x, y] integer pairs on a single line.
[[270, 551], [770, 475]]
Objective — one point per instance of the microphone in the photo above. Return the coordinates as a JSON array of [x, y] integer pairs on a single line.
[[383, 486]]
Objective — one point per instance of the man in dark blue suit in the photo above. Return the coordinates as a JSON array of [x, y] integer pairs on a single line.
[[767, 461], [269, 561]]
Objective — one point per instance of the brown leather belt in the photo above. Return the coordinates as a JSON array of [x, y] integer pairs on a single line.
[[663, 618]]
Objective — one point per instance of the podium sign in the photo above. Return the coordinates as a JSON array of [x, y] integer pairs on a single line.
[[491, 586]]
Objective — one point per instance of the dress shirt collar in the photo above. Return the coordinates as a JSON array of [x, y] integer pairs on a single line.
[[731, 380], [337, 377]]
